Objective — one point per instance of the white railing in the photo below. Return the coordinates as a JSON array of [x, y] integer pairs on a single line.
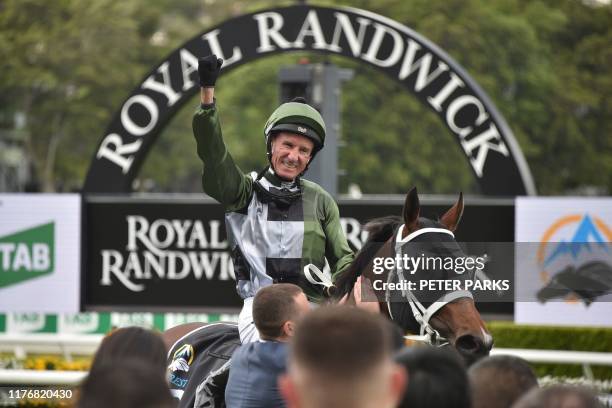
[[584, 358], [41, 343], [34, 377]]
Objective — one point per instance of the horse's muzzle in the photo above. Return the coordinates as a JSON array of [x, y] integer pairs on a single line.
[[472, 348]]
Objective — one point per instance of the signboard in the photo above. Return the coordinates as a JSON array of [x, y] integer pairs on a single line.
[[146, 255], [171, 254], [40, 248], [415, 63], [564, 261]]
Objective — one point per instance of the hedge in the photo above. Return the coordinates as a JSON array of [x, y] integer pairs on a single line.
[[510, 335]]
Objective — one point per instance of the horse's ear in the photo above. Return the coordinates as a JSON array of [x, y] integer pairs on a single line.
[[452, 217], [412, 207]]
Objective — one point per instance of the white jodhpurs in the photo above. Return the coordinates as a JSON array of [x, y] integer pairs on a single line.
[[246, 327]]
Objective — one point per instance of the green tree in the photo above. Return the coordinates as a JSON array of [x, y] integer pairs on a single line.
[[68, 65], [543, 63], [59, 57]]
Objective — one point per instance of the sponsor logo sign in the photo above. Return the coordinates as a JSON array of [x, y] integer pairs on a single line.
[[26, 254], [84, 323], [31, 323], [39, 252], [180, 365], [142, 256], [566, 276]]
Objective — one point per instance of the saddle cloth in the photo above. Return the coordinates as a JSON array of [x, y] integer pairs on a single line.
[[196, 361]]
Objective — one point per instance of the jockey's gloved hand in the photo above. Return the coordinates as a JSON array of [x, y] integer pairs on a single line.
[[208, 69]]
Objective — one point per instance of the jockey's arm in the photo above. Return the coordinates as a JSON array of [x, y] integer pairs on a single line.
[[207, 95], [337, 250], [221, 177]]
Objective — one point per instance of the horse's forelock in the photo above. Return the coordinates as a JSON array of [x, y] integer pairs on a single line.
[[380, 229]]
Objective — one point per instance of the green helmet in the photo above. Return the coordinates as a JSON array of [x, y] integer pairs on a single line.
[[296, 117]]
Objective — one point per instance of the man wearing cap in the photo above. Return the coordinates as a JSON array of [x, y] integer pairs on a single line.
[[277, 223]]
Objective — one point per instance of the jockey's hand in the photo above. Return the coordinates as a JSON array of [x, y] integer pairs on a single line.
[[363, 296], [208, 70]]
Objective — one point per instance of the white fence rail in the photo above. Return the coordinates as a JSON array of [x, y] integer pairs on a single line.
[[584, 358], [558, 356], [40, 343], [72, 344], [33, 377]]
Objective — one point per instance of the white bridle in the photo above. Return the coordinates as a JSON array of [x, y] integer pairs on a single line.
[[422, 315]]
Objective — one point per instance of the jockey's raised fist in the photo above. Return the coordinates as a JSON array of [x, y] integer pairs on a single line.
[[208, 69]]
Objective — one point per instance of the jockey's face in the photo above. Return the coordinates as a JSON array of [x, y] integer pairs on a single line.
[[290, 154]]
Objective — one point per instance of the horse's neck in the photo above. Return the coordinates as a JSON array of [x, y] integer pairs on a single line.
[[386, 251]]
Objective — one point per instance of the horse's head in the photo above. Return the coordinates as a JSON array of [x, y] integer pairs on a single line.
[[453, 316], [440, 317]]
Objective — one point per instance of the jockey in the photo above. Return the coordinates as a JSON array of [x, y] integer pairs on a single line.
[[277, 223]]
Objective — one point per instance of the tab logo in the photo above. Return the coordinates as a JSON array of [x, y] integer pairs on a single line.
[[132, 319], [30, 323], [79, 323], [27, 254]]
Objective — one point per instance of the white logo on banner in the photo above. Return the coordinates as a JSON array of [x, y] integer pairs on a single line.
[[167, 249], [25, 322], [175, 319], [132, 319], [78, 323]]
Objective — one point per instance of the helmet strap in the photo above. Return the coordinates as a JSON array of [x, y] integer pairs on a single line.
[[262, 172], [282, 199]]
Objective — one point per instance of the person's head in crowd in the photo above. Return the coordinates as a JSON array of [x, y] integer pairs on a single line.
[[437, 378], [396, 336], [559, 396], [339, 357], [276, 310], [125, 385], [132, 343], [499, 381]]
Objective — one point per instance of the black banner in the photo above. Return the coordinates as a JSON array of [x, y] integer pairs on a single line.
[[171, 254], [149, 254]]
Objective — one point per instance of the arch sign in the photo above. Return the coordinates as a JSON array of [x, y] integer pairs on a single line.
[[418, 65]]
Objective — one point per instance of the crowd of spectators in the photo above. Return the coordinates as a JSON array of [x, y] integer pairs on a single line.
[[128, 370], [333, 356]]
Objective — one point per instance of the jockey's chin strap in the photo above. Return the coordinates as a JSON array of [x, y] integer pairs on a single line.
[[421, 313], [280, 196]]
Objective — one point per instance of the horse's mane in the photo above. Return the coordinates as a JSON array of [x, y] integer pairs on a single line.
[[379, 231]]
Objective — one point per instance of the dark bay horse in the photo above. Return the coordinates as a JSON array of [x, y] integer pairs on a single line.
[[452, 320]]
